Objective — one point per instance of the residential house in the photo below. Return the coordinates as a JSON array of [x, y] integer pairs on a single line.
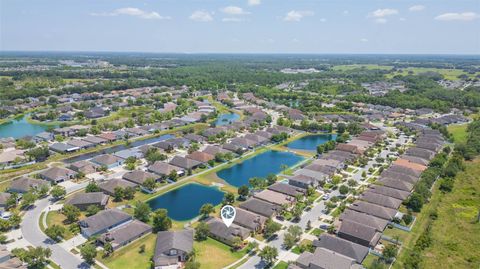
[[124, 234], [226, 234], [103, 221], [84, 200], [108, 160], [139, 177], [342, 246], [201, 157], [185, 163], [172, 249], [275, 198], [109, 186], [25, 184], [249, 220], [164, 169], [261, 207], [57, 174], [324, 258], [359, 233]]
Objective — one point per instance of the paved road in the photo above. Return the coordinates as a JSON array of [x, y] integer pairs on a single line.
[[32, 233]]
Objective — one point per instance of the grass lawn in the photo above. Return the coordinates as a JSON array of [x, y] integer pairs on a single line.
[[317, 232], [456, 233], [213, 254], [281, 265], [450, 74], [394, 232], [55, 217], [459, 132], [129, 257]]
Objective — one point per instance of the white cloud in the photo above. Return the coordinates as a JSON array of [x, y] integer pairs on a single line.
[[381, 13], [416, 8], [363, 40], [295, 15], [381, 20], [254, 2], [133, 11], [233, 19], [233, 10], [323, 20], [464, 16], [201, 16]]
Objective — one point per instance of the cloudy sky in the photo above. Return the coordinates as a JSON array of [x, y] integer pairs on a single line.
[[242, 26]]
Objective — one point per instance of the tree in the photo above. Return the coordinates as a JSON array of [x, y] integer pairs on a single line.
[[118, 194], [390, 252], [129, 193], [12, 200], [243, 191], [237, 242], [15, 220], [268, 254], [88, 253], [343, 189], [292, 236], [71, 213], [202, 231], [271, 227], [173, 175], [108, 248], [415, 202], [28, 199], [33, 257], [150, 184], [341, 127], [206, 210], [55, 232], [43, 191], [92, 187], [142, 211], [297, 211], [92, 210], [228, 198], [192, 265], [257, 183], [58, 192], [161, 221]]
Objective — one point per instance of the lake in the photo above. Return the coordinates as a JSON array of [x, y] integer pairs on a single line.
[[269, 162], [225, 119], [18, 128], [185, 202], [311, 142]]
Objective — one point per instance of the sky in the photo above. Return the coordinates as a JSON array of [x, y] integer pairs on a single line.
[[242, 26]]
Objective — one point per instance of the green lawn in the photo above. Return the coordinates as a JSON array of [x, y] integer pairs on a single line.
[[281, 265], [212, 254], [55, 217], [459, 132], [317, 232], [450, 74], [456, 233], [129, 257]]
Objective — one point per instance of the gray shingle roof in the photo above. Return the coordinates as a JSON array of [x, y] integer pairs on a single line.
[[180, 240], [342, 246]]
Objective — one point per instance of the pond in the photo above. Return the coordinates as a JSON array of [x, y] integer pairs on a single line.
[[311, 142], [18, 128], [269, 162], [185, 202], [225, 119]]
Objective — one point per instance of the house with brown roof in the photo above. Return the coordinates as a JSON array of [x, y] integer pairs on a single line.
[[108, 160], [275, 198], [125, 234], [109, 186], [57, 174], [139, 177], [201, 157], [84, 200], [219, 231], [359, 233], [185, 163], [172, 248], [164, 169]]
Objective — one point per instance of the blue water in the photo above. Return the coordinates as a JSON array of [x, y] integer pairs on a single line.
[[185, 202], [311, 142], [259, 166], [225, 119], [18, 128]]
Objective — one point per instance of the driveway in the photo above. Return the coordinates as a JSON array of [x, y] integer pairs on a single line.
[[31, 232]]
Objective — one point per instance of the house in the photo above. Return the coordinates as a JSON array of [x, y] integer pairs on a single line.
[[219, 231], [8, 261], [108, 187], [199, 156], [261, 207], [124, 234], [302, 181], [4, 196], [108, 160], [11, 156], [381, 200], [275, 198], [374, 210], [57, 174], [164, 169], [63, 147], [387, 191], [44, 137], [249, 220], [369, 220], [103, 221], [342, 246], [318, 176], [195, 138], [185, 163], [96, 112], [359, 233], [348, 148], [84, 200], [213, 150], [81, 144], [396, 184], [96, 140], [139, 176], [287, 189], [327, 170], [324, 258], [110, 137], [25, 184], [172, 248], [127, 153], [85, 167]]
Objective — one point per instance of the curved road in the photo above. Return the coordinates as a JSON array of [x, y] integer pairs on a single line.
[[33, 234]]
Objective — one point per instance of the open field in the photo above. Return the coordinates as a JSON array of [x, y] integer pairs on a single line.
[[363, 66], [456, 232], [130, 257], [459, 132], [213, 254], [450, 74]]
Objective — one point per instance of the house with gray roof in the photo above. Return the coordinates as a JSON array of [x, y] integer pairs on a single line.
[[219, 231], [369, 220], [185, 163], [139, 176], [164, 169], [249, 220], [387, 191], [124, 234], [381, 200], [103, 221], [374, 210], [25, 184], [82, 144], [287, 189], [84, 200], [359, 233], [261, 207], [57, 174], [109, 186], [342, 246], [324, 258], [396, 184], [172, 248], [108, 160], [63, 147], [4, 196], [302, 181]]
